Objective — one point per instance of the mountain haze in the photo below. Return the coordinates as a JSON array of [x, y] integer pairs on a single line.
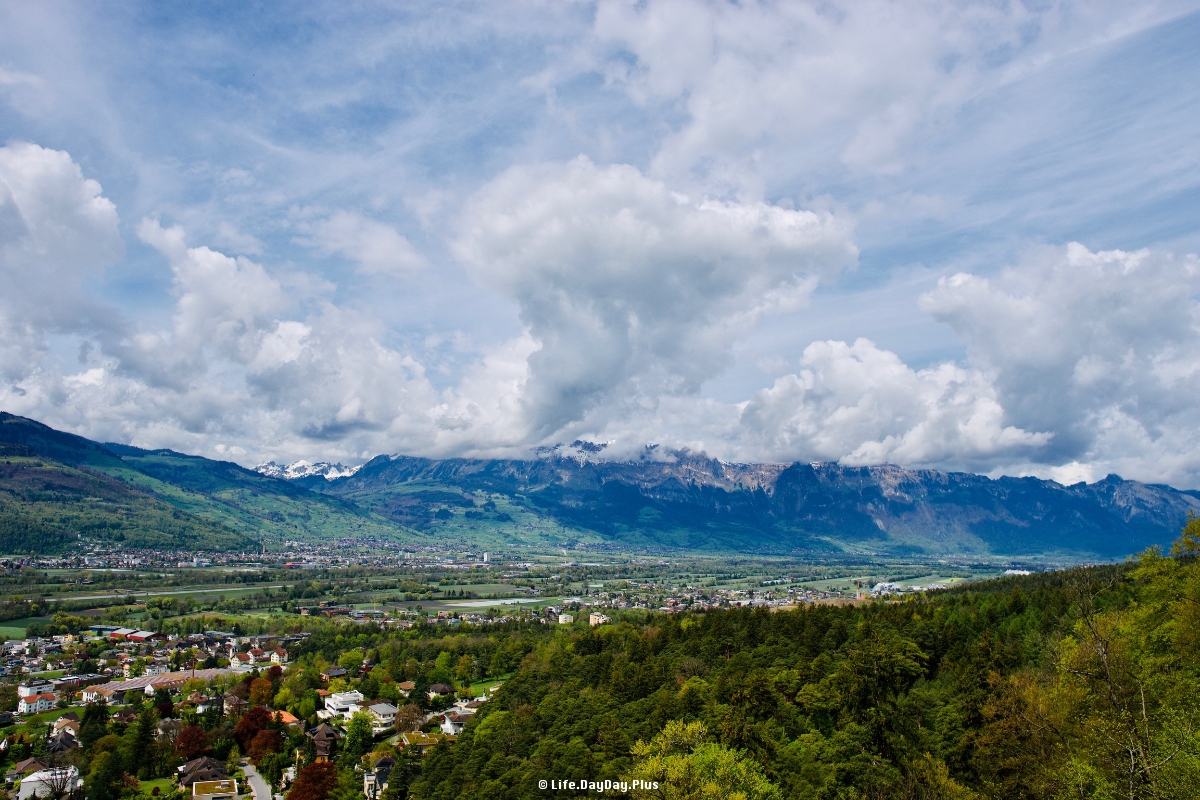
[[56, 486], [698, 502]]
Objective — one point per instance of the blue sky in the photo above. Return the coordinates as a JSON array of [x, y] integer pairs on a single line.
[[941, 234]]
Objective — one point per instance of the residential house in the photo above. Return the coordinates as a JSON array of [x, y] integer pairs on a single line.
[[341, 704], [35, 703], [405, 687], [383, 715], [225, 789], [286, 717], [279, 656], [204, 768], [69, 720], [439, 689], [108, 693], [419, 742], [234, 705], [468, 706], [596, 618], [23, 768], [452, 723], [375, 779], [324, 738], [333, 673], [50, 783], [61, 742]]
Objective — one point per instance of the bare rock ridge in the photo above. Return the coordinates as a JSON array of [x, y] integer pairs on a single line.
[[695, 501]]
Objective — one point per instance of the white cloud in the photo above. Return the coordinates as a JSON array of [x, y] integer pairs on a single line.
[[862, 405], [1102, 348], [377, 248], [756, 86], [632, 297], [56, 231], [632, 291]]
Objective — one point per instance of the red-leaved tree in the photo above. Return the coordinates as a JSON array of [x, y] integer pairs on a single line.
[[315, 782], [255, 720], [264, 743], [192, 743]]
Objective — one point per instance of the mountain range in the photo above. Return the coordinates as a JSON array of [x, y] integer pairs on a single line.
[[56, 487]]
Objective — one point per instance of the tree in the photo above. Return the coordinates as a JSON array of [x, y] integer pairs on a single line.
[[264, 743], [409, 718], [137, 744], [106, 778], [192, 743], [255, 720], [94, 724], [261, 692], [162, 702], [351, 660], [679, 765], [315, 782], [358, 735]]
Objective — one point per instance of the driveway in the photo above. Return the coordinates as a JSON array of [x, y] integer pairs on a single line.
[[261, 789]]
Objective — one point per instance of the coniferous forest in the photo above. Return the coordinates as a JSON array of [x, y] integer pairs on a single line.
[[1080, 683]]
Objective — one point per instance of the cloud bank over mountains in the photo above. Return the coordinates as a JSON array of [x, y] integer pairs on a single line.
[[945, 234], [632, 297]]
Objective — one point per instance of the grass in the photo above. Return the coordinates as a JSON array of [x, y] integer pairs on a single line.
[[164, 785], [38, 722], [15, 628], [477, 688]]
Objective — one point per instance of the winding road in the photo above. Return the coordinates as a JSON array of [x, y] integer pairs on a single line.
[[261, 789]]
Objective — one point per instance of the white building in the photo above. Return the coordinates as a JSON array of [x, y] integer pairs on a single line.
[[383, 716], [596, 618], [35, 704], [34, 686], [452, 723], [341, 704], [49, 783], [565, 619]]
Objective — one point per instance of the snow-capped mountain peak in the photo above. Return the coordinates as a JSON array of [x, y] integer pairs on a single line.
[[305, 469]]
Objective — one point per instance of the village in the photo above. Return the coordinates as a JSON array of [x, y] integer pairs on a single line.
[[216, 678]]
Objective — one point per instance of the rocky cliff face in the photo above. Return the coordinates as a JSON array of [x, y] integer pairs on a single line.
[[696, 501]]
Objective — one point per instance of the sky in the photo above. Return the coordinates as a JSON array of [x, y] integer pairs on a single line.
[[943, 235]]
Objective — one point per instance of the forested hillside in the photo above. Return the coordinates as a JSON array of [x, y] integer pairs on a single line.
[[56, 486], [1070, 684]]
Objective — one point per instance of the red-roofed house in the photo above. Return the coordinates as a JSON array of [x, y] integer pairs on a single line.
[[35, 704]]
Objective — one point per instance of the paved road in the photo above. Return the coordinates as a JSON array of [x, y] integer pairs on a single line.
[[153, 593], [261, 789]]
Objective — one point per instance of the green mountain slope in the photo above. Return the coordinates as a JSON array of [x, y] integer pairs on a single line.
[[219, 505], [46, 506]]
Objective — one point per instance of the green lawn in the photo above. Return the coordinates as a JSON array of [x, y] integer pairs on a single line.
[[8, 632], [15, 628], [478, 687], [165, 785]]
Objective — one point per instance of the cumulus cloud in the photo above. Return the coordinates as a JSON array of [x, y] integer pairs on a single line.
[[632, 291], [863, 405], [1103, 348], [632, 297], [56, 231]]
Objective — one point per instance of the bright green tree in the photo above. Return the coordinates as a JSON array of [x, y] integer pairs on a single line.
[[358, 736], [679, 764]]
